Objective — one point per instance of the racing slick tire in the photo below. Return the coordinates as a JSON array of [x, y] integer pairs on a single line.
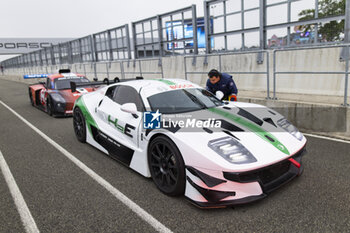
[[49, 106], [166, 166], [79, 125], [31, 97]]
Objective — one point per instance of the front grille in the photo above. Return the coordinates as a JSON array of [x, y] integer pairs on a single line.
[[264, 175], [269, 177]]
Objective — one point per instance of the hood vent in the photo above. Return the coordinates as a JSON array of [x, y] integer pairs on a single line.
[[270, 139], [250, 116], [270, 121]]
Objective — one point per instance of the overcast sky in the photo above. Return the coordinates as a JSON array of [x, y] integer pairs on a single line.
[[78, 18]]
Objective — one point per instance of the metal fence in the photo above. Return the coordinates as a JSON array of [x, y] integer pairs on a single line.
[[165, 34], [113, 44], [223, 35], [109, 45]]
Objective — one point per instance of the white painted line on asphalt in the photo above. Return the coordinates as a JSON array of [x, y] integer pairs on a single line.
[[115, 192], [26, 217], [327, 138]]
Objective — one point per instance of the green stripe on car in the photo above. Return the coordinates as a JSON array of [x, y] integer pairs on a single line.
[[252, 127], [88, 118], [167, 82]]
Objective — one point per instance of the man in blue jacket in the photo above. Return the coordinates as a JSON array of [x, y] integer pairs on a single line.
[[221, 82]]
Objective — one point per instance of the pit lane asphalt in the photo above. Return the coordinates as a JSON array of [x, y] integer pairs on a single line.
[[62, 198]]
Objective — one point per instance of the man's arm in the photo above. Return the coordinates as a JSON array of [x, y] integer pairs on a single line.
[[232, 87]]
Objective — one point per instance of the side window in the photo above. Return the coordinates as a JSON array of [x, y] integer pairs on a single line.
[[126, 94], [111, 91], [48, 83]]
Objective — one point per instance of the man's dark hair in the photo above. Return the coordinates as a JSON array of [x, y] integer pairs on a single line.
[[213, 73]]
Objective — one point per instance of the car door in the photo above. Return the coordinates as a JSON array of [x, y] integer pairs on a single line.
[[44, 91], [122, 127]]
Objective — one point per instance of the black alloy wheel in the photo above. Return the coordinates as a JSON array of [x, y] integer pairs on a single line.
[[49, 106], [79, 125], [166, 166]]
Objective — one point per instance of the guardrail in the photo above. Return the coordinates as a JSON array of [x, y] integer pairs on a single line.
[[142, 72]]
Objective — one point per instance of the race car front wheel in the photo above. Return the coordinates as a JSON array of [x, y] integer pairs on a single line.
[[79, 125], [49, 106], [166, 166]]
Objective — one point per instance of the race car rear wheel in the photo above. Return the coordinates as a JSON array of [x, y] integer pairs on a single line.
[[166, 166], [79, 125], [31, 97], [49, 106]]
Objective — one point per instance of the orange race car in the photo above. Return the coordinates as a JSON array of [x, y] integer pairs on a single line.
[[55, 95]]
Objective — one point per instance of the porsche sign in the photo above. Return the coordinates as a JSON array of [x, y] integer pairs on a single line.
[[26, 45]]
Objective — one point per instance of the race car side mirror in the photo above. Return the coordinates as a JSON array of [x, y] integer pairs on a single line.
[[130, 108], [219, 95]]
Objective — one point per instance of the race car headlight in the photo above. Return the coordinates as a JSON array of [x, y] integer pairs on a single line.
[[287, 126], [58, 98], [231, 150]]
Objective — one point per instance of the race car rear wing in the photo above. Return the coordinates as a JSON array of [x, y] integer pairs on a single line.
[[60, 71], [106, 81]]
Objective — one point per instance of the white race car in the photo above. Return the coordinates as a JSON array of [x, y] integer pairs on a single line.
[[215, 153]]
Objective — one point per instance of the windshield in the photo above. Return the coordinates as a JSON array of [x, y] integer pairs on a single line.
[[183, 100], [64, 83]]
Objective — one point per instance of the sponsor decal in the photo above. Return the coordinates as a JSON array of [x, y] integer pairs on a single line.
[[180, 86], [73, 76], [173, 85], [35, 76], [42, 96], [115, 123], [80, 91], [125, 130]]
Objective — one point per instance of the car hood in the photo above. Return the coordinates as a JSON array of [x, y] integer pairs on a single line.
[[253, 126]]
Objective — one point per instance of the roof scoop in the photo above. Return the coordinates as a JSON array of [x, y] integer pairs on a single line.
[[64, 71]]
